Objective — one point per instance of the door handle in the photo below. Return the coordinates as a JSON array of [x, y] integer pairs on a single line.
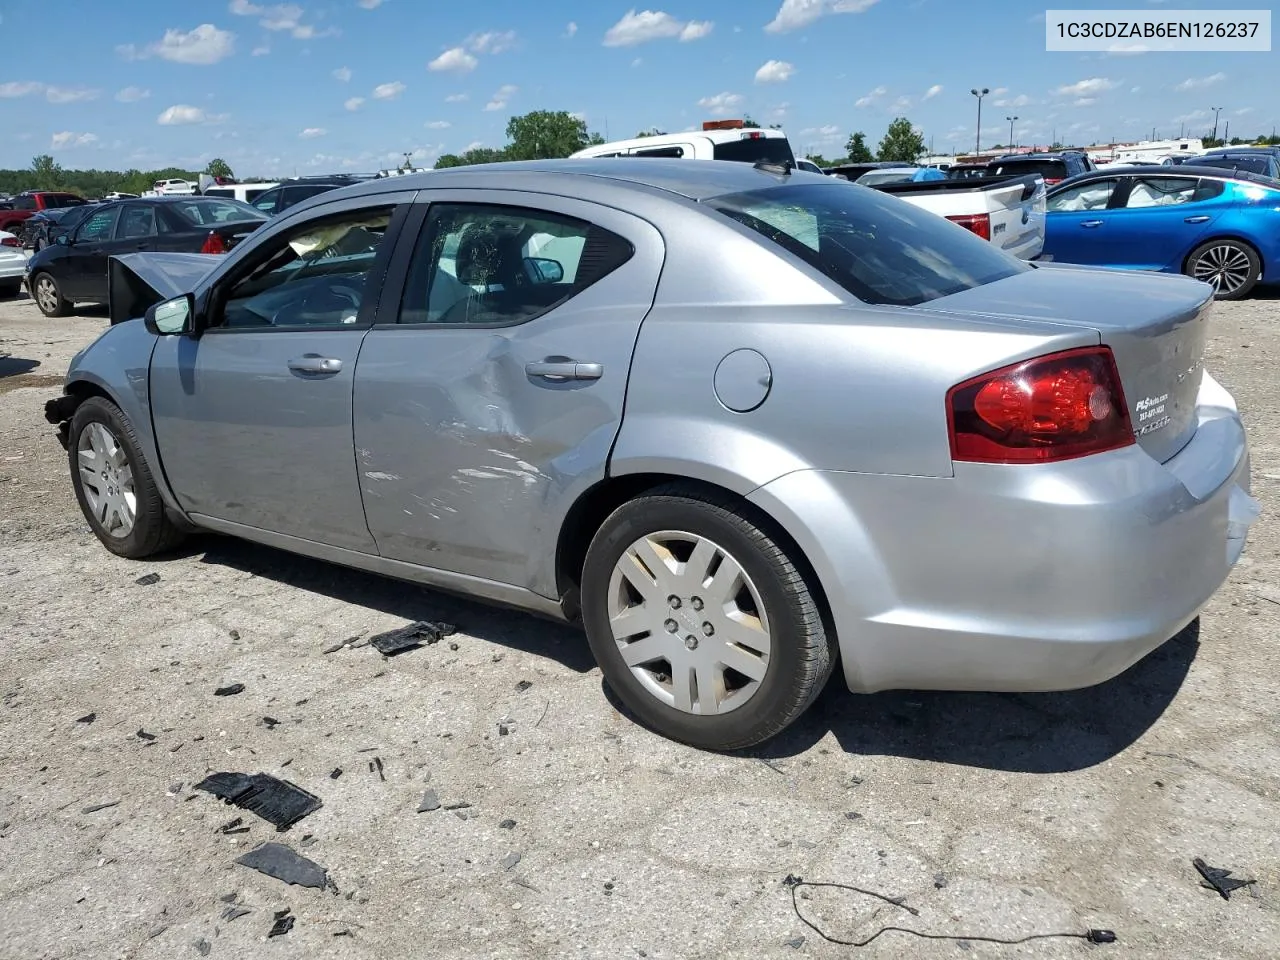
[[313, 363], [564, 370], [1091, 223], [1199, 219]]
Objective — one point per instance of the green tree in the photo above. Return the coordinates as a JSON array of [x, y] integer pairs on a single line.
[[818, 158], [546, 135], [473, 156], [219, 168], [857, 147], [901, 143], [47, 172], [651, 132], [749, 123]]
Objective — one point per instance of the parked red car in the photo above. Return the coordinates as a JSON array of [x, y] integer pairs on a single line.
[[26, 205]]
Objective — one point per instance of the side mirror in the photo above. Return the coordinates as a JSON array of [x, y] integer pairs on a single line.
[[542, 270], [172, 316]]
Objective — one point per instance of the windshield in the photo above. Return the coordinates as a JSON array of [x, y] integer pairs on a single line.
[[879, 248], [202, 212], [1049, 169], [767, 149]]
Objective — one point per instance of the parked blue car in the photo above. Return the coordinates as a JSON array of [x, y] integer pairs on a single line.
[[1218, 226]]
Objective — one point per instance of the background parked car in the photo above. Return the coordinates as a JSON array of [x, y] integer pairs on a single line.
[[1209, 223], [44, 228], [13, 264], [1264, 164], [290, 192], [74, 268], [174, 187], [1054, 167], [26, 205]]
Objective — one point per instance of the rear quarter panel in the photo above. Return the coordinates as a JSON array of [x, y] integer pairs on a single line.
[[1255, 217]]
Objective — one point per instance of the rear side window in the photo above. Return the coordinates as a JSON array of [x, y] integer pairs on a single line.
[[673, 152], [757, 150], [875, 246], [24, 203]]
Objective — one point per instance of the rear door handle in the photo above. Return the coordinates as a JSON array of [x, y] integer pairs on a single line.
[[564, 370], [1091, 223], [314, 363], [1199, 219]]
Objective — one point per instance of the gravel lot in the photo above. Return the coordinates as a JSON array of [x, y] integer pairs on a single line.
[[993, 815]]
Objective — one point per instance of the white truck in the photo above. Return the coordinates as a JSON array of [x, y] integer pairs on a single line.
[[718, 140]]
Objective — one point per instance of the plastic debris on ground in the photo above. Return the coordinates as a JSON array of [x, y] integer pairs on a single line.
[[101, 806], [279, 802], [230, 690], [422, 633], [148, 580], [87, 718], [278, 861], [284, 923], [430, 801], [1219, 879]]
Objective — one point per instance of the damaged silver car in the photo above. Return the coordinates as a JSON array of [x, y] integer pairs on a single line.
[[744, 423]]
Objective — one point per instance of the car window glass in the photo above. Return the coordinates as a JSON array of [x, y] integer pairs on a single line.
[[1094, 195], [99, 225], [673, 152], [268, 202], [498, 265], [204, 212], [24, 203], [137, 221], [314, 275], [1161, 192]]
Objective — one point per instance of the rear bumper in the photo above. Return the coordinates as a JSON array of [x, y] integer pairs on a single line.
[[1022, 578]]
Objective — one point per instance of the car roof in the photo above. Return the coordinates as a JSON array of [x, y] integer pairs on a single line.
[[1052, 155], [1178, 170]]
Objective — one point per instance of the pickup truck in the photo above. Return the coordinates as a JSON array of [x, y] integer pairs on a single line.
[[26, 205]]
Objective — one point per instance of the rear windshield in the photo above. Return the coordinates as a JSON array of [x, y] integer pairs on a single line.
[[873, 177], [52, 200], [768, 149], [881, 249], [1251, 164], [205, 211], [1049, 169]]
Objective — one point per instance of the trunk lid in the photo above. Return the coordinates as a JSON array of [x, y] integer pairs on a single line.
[[1155, 324]]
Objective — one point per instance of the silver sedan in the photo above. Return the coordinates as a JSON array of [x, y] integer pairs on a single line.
[[743, 423]]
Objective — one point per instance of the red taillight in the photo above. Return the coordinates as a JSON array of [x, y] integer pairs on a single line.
[[10, 242], [1050, 181], [979, 223], [1058, 407], [213, 243]]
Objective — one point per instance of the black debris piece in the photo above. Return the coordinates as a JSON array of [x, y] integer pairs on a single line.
[[231, 824], [854, 782], [795, 943], [230, 690], [234, 634], [87, 718], [308, 841], [422, 633], [453, 646], [466, 814], [523, 685], [507, 825], [287, 762], [503, 729], [203, 946], [148, 580], [377, 765], [1219, 879], [278, 861], [939, 881], [334, 648], [270, 722], [283, 924], [235, 913], [277, 801], [366, 750], [335, 773], [101, 806], [430, 801], [459, 805], [510, 860], [143, 735], [344, 933], [231, 897], [853, 815]]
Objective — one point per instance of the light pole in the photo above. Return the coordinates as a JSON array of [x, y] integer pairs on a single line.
[[977, 139], [1216, 111], [1010, 119]]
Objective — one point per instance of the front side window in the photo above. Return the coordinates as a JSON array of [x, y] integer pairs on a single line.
[[313, 276], [500, 265], [269, 201], [99, 225], [208, 212], [1094, 195], [877, 247]]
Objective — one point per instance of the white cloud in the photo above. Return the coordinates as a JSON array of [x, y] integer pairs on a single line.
[[492, 42], [20, 88], [388, 91], [1084, 102], [182, 114], [636, 28], [1021, 100], [871, 97], [499, 100], [312, 132], [571, 29], [637, 62], [354, 103], [1243, 111], [1086, 88], [794, 14], [204, 45], [68, 139], [1193, 116], [279, 17], [457, 98], [342, 74], [901, 103], [1127, 49], [473, 145], [371, 4], [261, 51], [439, 125], [999, 91], [932, 92], [1199, 83], [1135, 89], [775, 71], [132, 94], [70, 95], [453, 60], [721, 104]]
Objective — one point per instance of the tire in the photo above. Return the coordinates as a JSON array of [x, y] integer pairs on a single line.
[[105, 434], [10, 288], [48, 295], [767, 622], [1232, 267]]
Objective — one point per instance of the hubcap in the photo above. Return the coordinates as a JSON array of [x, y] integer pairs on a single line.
[[106, 477], [46, 294], [1226, 267], [689, 622]]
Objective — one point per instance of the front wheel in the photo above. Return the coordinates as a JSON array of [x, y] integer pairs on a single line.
[[1231, 267], [48, 296], [114, 485], [701, 623]]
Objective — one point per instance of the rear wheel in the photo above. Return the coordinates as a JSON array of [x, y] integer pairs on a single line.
[[48, 296], [701, 623], [1231, 267], [114, 485]]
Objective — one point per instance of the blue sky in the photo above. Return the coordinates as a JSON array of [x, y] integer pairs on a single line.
[[323, 85]]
